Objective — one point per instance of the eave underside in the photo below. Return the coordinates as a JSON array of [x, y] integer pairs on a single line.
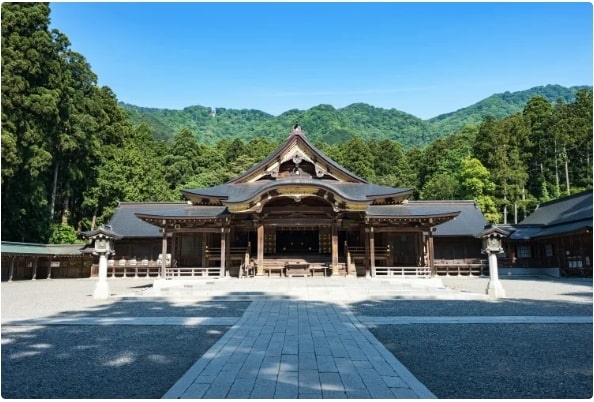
[[292, 218]]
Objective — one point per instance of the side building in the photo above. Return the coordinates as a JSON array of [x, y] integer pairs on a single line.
[[556, 239]]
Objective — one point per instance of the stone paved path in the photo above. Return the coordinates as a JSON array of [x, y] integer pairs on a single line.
[[298, 349]]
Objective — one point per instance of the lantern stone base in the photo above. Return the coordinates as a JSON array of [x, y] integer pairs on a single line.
[[495, 289], [101, 290]]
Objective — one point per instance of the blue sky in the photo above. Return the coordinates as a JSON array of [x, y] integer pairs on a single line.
[[421, 58]]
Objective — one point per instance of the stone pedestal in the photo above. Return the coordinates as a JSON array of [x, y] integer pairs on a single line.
[[102, 288], [494, 287]]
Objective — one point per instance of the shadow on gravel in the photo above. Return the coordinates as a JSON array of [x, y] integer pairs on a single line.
[[91, 361], [109, 361], [509, 361]]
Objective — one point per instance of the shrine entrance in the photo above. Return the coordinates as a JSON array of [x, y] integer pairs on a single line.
[[292, 241], [307, 240]]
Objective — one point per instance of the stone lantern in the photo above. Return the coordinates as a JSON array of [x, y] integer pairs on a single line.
[[103, 246], [491, 242]]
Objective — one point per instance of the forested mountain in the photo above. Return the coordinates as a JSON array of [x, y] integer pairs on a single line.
[[322, 123], [326, 124], [70, 154], [501, 105]]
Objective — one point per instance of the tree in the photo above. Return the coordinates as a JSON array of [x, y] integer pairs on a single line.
[[64, 234], [182, 162], [441, 186], [390, 163], [498, 147], [571, 129], [475, 184], [29, 107], [540, 152], [130, 172], [440, 163], [357, 157]]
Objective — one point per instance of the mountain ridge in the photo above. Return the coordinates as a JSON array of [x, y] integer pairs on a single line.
[[327, 124]]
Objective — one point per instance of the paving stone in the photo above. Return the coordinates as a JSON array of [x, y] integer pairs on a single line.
[[309, 381], [264, 388], [289, 363], [404, 393], [307, 361], [394, 382], [241, 388], [333, 394], [326, 355], [197, 390], [217, 391], [331, 382], [326, 364], [360, 393], [310, 395], [286, 391]]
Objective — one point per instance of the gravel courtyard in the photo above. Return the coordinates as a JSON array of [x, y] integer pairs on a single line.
[[151, 341]]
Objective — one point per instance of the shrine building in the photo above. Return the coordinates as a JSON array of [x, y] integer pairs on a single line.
[[297, 212]]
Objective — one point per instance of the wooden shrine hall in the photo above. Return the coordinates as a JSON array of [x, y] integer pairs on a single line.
[[297, 212]]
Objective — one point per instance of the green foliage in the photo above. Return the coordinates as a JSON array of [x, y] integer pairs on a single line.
[[63, 234], [356, 157], [441, 161], [474, 180], [441, 186]]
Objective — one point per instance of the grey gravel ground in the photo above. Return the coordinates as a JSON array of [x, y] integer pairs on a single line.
[[492, 360], [88, 361], [510, 361], [99, 362]]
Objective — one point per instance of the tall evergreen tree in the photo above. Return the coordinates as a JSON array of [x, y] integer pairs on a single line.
[[540, 152], [572, 131], [29, 107], [356, 156], [498, 147]]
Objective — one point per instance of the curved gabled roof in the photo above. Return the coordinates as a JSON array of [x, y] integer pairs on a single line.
[[240, 192], [281, 173], [298, 141]]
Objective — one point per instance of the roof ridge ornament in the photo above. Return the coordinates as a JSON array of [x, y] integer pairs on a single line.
[[297, 130]]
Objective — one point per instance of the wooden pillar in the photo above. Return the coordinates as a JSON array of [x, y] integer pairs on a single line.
[[173, 250], [204, 245], [335, 248], [49, 270], [372, 251], [163, 254], [420, 250], [260, 249], [367, 255], [223, 251], [431, 254], [347, 257], [391, 246]]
